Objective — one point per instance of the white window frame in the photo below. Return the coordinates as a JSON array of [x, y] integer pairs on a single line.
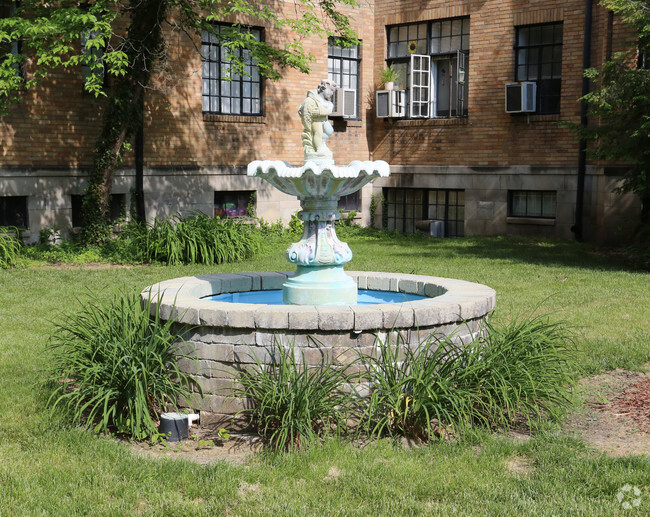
[[420, 90]]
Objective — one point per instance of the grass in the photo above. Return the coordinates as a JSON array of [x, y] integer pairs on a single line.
[[49, 468]]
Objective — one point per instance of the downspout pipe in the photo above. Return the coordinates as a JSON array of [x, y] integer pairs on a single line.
[[582, 146], [139, 168]]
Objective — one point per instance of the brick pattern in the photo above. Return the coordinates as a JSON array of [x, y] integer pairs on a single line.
[[491, 137], [57, 124]]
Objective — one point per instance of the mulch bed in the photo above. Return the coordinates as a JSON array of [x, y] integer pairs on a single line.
[[633, 402]]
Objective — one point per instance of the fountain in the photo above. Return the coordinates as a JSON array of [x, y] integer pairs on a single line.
[[324, 311]]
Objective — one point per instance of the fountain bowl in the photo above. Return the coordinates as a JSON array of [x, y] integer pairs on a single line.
[[223, 337]]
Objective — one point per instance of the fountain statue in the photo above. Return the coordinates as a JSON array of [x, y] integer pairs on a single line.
[[319, 255]]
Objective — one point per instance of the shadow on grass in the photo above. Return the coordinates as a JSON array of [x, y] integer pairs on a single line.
[[538, 251]]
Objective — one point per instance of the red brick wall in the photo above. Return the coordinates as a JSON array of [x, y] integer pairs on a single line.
[[489, 136], [57, 124]]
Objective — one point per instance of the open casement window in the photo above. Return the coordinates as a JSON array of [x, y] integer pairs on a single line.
[[432, 61], [420, 86], [461, 84]]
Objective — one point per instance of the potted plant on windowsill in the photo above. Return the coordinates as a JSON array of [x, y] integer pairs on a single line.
[[388, 76]]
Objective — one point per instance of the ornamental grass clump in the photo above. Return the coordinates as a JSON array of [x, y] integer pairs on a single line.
[[196, 239], [418, 392], [293, 404], [10, 246], [115, 367], [518, 370]]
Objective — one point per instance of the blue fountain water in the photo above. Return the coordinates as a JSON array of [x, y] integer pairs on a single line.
[[274, 297]]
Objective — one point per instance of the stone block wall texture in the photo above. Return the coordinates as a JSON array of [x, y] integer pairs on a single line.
[[225, 337]]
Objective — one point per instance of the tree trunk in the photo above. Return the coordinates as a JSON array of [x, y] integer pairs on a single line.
[[144, 47]]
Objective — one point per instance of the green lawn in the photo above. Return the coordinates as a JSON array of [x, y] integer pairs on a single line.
[[49, 469]]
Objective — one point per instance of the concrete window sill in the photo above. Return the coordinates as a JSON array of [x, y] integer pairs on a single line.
[[538, 221]]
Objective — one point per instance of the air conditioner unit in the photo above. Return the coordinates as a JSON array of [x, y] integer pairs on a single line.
[[345, 103], [391, 103], [521, 97]]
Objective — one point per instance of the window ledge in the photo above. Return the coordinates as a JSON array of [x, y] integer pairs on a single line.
[[531, 220], [427, 122], [242, 119], [549, 117]]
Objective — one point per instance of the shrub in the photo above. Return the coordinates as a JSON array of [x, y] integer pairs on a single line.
[[520, 369], [197, 239], [115, 366], [418, 392], [10, 246], [524, 368], [293, 404]]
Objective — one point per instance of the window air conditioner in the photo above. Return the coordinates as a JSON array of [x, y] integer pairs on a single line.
[[521, 97], [345, 103], [391, 103]]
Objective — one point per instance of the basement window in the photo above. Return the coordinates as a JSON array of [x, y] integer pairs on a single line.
[[13, 211], [532, 203]]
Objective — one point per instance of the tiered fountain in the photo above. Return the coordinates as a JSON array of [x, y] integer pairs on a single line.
[[316, 309]]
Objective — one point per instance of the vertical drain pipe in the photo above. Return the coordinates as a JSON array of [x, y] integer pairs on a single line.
[[582, 151]]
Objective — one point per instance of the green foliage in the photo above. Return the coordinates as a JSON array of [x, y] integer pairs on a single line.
[[49, 235], [296, 225], [518, 370], [374, 205], [10, 246], [196, 239], [389, 74], [115, 366], [620, 106], [292, 404]]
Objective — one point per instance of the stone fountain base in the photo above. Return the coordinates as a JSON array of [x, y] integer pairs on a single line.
[[224, 336]]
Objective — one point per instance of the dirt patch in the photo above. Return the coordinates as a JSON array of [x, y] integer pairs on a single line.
[[203, 447], [615, 416]]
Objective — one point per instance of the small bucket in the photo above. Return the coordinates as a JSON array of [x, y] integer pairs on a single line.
[[175, 426]]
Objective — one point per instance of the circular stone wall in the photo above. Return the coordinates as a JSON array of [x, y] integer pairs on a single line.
[[223, 336]]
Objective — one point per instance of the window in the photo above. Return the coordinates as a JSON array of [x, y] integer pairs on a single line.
[[93, 57], [532, 203], [232, 204], [343, 65], [405, 207], [13, 211], [9, 49], [226, 91], [350, 202], [116, 209], [538, 58], [432, 60]]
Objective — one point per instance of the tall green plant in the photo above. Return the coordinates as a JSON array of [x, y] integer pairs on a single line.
[[115, 366], [293, 404], [418, 391], [520, 369], [196, 239], [10, 246]]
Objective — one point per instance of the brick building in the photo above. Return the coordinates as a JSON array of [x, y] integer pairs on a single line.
[[456, 154]]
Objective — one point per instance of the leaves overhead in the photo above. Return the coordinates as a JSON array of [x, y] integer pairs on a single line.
[[49, 36]]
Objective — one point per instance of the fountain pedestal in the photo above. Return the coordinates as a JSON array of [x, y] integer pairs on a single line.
[[319, 255]]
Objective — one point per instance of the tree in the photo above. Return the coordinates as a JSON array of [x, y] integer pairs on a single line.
[[124, 40], [620, 106]]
